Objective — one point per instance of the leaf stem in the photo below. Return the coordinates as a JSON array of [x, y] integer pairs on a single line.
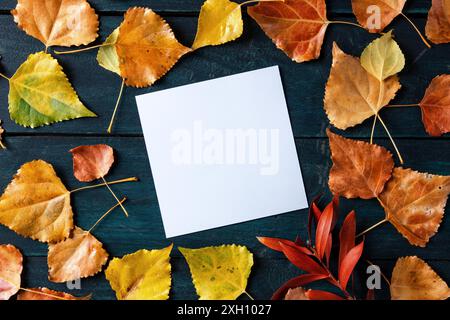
[[83, 49], [3, 76], [248, 295], [115, 197], [417, 30], [372, 227], [373, 129], [131, 179], [390, 137], [402, 105], [345, 22], [116, 107], [106, 213]]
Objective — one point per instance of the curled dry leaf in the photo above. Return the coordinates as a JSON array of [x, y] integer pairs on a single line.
[[437, 28], [295, 26], [57, 22], [47, 294], [220, 21], [414, 203], [352, 95], [375, 15], [36, 204], [219, 273], [10, 270], [413, 279], [146, 47], [360, 169], [92, 162], [143, 275], [435, 106], [79, 256]]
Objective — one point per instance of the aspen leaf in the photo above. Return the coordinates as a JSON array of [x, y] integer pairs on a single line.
[[413, 279], [36, 204], [352, 95], [219, 273], [383, 57], [375, 15], [78, 256], [435, 106], [57, 22], [437, 28], [360, 169], [10, 270], [107, 55], [143, 275], [40, 94], [92, 162], [2, 146], [220, 21], [146, 47], [47, 294], [295, 26], [414, 203]]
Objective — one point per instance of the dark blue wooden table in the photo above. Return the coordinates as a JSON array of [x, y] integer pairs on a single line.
[[304, 87]]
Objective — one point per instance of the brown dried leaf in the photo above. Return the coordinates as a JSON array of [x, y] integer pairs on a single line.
[[352, 95], [47, 294], [296, 294], [437, 28], [375, 15], [414, 203], [92, 162], [10, 270], [413, 279], [435, 106], [295, 26], [57, 22], [360, 169], [79, 256], [147, 47], [2, 146]]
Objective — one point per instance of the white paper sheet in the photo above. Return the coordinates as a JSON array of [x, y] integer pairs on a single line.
[[222, 151]]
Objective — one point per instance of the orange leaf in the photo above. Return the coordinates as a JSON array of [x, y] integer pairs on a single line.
[[413, 279], [46, 294], [347, 236], [296, 294], [323, 230], [414, 203], [437, 28], [295, 26], [10, 270], [92, 162], [359, 169], [57, 22], [275, 244], [147, 47], [349, 263], [435, 106], [375, 15]]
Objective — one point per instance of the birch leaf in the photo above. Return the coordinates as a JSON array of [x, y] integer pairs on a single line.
[[107, 55], [437, 28], [47, 294], [375, 15], [10, 270], [92, 162]]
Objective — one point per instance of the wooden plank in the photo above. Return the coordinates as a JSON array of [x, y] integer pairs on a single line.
[[144, 227], [180, 6], [303, 83]]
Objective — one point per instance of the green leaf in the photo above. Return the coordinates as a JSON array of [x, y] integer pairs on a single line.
[[107, 55]]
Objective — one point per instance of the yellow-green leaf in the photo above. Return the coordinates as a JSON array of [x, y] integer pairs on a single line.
[[107, 55], [143, 275], [220, 21], [40, 94], [219, 273], [383, 57]]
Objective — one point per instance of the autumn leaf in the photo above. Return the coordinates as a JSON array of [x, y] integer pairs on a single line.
[[298, 293], [36, 204], [295, 26], [220, 21], [92, 162], [47, 294], [360, 169], [352, 95], [40, 94], [107, 54], [1, 132], [57, 22], [437, 28], [375, 15], [435, 106], [219, 273], [143, 275], [10, 270], [414, 203], [79, 256], [413, 279]]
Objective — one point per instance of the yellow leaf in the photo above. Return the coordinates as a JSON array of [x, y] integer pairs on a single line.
[[107, 54], [383, 58], [10, 270], [143, 275], [220, 21], [219, 273], [36, 204]]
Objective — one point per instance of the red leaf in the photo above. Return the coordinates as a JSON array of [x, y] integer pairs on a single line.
[[349, 263], [322, 295], [347, 236], [323, 229], [299, 281], [275, 244], [328, 248], [315, 212], [302, 260]]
